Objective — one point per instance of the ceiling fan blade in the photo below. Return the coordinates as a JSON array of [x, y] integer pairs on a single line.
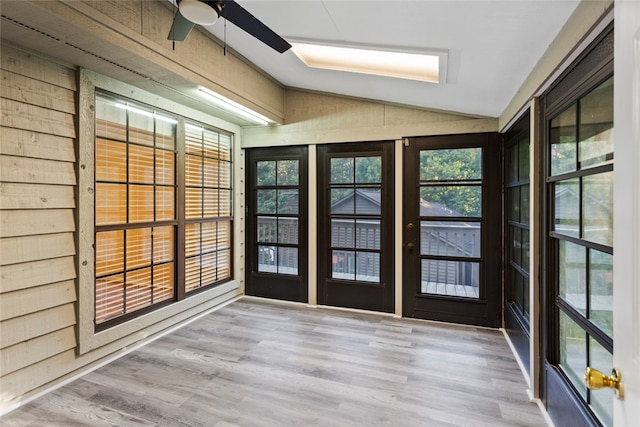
[[180, 28], [243, 19]]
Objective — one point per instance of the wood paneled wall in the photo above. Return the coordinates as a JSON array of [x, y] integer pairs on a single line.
[[37, 249]]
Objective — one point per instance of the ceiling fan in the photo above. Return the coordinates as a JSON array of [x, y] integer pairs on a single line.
[[206, 12]]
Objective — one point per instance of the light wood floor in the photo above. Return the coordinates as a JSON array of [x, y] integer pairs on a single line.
[[261, 363]]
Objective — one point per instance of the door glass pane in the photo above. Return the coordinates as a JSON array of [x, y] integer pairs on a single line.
[[601, 290], [288, 201], [597, 208], [266, 173], [341, 170], [267, 257], [513, 164], [368, 169], [453, 278], [367, 234], [596, 126], [601, 401], [368, 266], [572, 270], [449, 238], [343, 265], [526, 306], [343, 232], [525, 250], [368, 202], [451, 164], [288, 230], [266, 201], [288, 172], [451, 200], [567, 207], [563, 142], [516, 245], [514, 203], [287, 260], [516, 289], [266, 229], [342, 201], [573, 352], [523, 159], [524, 204]]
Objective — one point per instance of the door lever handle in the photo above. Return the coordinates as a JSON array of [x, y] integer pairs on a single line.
[[597, 380]]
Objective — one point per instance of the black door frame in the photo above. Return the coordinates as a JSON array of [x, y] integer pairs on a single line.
[[351, 293], [485, 311], [272, 285]]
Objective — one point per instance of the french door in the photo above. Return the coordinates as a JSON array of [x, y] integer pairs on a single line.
[[578, 245], [452, 224], [276, 223], [355, 225]]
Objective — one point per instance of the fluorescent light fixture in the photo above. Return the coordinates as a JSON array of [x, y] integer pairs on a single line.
[[397, 63], [234, 107], [147, 113]]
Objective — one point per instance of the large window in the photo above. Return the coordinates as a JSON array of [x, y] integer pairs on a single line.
[[154, 213]]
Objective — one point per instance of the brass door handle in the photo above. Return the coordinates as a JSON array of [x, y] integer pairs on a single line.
[[410, 246], [597, 380]]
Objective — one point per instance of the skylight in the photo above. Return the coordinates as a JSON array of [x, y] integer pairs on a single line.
[[422, 66]]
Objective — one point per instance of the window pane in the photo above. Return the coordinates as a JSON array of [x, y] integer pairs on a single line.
[[266, 173], [601, 290], [602, 403], [224, 175], [523, 159], [287, 201], [368, 202], [163, 282], [368, 169], [267, 257], [208, 237], [111, 122], [192, 273], [111, 161], [193, 170], [288, 260], [109, 253], [367, 234], [141, 203], [288, 172], [368, 267], [141, 164], [573, 352], [140, 128], [138, 247], [267, 227], [567, 207], [193, 139], [163, 244], [563, 142], [453, 164], [341, 171], [210, 172], [223, 259], [288, 230], [451, 200], [109, 297], [343, 265], [514, 203], [596, 126], [225, 202], [165, 135], [454, 278], [165, 167], [210, 143], [225, 148], [111, 204], [192, 240], [209, 269], [266, 201], [138, 288], [597, 208], [343, 233], [572, 270], [165, 203], [524, 204], [448, 238], [224, 235], [210, 203], [342, 201]]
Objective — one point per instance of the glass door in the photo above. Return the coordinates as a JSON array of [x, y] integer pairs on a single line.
[[355, 222], [452, 210], [276, 223]]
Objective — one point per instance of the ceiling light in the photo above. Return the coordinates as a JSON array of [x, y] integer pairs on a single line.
[[402, 64], [234, 107], [198, 12]]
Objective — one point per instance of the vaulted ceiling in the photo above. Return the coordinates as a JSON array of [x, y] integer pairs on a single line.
[[492, 45]]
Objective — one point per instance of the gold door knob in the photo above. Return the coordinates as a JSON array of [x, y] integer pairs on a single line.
[[597, 380], [410, 246]]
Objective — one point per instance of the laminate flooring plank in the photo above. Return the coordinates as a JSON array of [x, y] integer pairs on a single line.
[[265, 363]]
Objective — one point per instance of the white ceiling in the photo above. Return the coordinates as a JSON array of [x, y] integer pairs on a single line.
[[492, 45]]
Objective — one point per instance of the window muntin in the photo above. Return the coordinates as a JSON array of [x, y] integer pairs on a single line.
[[136, 220]]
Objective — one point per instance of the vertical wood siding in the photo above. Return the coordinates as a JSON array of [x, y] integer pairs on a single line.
[[37, 179]]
